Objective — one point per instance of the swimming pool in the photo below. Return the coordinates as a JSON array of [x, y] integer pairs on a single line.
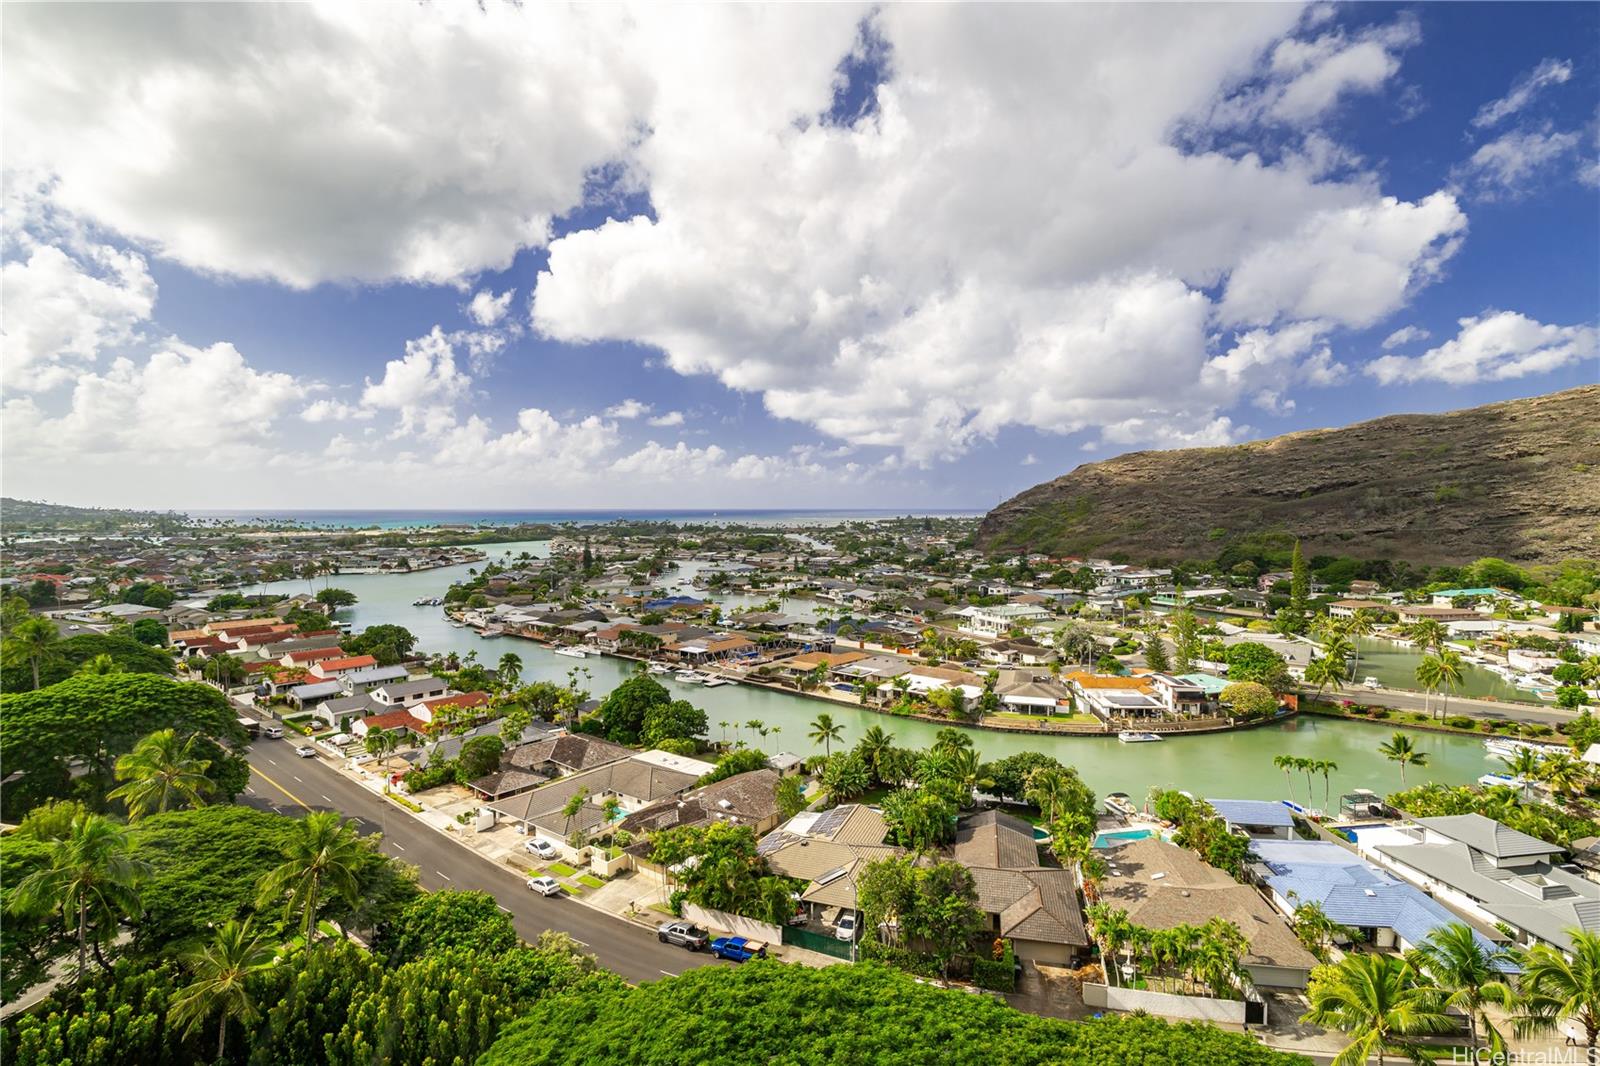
[[1108, 837]]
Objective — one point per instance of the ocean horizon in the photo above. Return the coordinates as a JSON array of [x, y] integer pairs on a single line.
[[478, 518]]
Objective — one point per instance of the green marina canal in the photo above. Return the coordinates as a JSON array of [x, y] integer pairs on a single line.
[[1233, 765]]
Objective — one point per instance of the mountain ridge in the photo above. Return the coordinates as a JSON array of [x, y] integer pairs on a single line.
[[1519, 479]]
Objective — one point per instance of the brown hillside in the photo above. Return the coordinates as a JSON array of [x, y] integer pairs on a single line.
[[1518, 479]]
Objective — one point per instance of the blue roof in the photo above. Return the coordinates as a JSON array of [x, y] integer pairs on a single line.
[[1253, 812], [668, 602], [1353, 892]]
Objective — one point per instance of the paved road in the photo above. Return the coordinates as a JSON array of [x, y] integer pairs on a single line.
[[1542, 714], [283, 782]]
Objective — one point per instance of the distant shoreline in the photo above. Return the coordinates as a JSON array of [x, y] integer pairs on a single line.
[[474, 519]]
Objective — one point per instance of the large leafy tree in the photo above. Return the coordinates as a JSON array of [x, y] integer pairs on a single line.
[[90, 877], [161, 773], [71, 653], [1254, 661], [439, 921], [677, 720], [873, 1014], [91, 720], [623, 712], [727, 874]]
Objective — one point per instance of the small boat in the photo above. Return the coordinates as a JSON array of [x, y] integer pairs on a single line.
[[1508, 747], [1509, 780], [572, 653], [1129, 736], [492, 631], [687, 677], [459, 625], [1370, 682], [1119, 803], [713, 682], [658, 668]]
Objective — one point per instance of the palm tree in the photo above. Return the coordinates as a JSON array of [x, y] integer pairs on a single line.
[[161, 773], [1450, 674], [321, 857], [723, 725], [1358, 625], [874, 743], [1325, 673], [222, 971], [91, 873], [31, 642], [1380, 1001], [1455, 961], [1325, 767], [1524, 764], [1400, 749], [510, 668], [963, 766], [1337, 650], [1427, 634], [1430, 676], [1564, 774], [1286, 763], [1555, 987], [1044, 787], [99, 666], [825, 731]]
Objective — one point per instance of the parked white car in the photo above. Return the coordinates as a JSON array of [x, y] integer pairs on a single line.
[[545, 886], [846, 929], [542, 848]]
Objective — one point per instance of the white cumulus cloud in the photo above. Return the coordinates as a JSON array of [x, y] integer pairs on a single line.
[[1493, 346], [1523, 90]]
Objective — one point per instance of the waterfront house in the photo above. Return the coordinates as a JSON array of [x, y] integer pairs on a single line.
[[411, 690], [1188, 695], [1111, 696], [1410, 613], [1380, 908], [1256, 819], [1348, 608], [1032, 692], [1491, 873], [1161, 885]]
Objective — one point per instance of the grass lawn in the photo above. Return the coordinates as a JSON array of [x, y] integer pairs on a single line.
[[590, 880], [661, 908], [561, 869], [1037, 719]]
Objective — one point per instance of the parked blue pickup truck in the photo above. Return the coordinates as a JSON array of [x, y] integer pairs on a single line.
[[738, 948]]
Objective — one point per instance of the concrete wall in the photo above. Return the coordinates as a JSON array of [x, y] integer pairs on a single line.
[[736, 924], [1195, 1008], [1278, 976]]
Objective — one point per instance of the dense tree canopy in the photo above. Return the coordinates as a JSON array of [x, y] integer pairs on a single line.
[[1250, 661], [764, 1012], [623, 712], [437, 921], [95, 718], [72, 652], [387, 643]]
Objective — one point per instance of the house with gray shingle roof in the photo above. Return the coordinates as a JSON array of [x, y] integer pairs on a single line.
[[1034, 906], [1492, 874]]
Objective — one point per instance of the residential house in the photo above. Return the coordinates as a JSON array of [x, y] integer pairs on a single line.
[[1112, 697], [1381, 909], [999, 620], [634, 783], [332, 668], [1161, 885], [412, 690], [369, 678], [743, 799], [1410, 613], [1034, 906], [1491, 873], [828, 850], [1021, 652], [1348, 608], [1256, 819]]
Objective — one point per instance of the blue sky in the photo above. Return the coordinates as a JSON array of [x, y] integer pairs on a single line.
[[805, 256]]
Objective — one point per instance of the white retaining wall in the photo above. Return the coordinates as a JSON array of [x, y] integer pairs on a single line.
[[1165, 1004]]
